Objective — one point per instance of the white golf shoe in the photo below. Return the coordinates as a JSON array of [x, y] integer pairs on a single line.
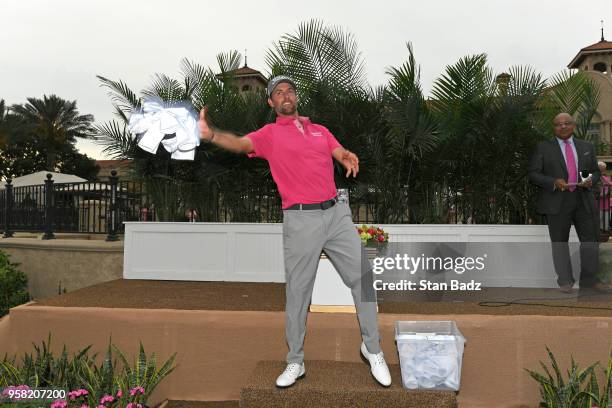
[[378, 366], [292, 373]]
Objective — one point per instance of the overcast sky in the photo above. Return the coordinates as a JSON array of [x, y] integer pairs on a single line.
[[59, 46]]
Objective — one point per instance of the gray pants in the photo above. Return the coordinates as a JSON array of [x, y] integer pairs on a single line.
[[305, 235]]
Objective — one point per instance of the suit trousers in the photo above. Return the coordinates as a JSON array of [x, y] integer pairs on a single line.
[[305, 234], [586, 223]]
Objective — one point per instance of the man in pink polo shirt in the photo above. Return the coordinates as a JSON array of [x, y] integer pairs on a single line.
[[300, 154]]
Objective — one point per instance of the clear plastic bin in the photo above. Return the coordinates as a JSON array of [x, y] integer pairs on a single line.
[[430, 354]]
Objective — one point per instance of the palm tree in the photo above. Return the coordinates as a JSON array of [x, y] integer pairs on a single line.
[[411, 135], [489, 128], [487, 135], [56, 124], [466, 148], [4, 126], [390, 128], [19, 152], [190, 184], [329, 72]]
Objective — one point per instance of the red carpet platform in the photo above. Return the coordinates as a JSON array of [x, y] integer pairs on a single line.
[[222, 331]]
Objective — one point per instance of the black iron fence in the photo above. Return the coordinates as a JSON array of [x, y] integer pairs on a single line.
[[604, 203], [101, 208], [91, 207]]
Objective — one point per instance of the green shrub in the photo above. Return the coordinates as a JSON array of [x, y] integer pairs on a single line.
[[13, 285], [579, 390]]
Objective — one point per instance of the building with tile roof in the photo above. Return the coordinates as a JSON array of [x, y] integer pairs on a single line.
[[596, 61]]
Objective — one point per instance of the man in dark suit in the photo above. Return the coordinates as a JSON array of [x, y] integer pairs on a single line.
[[559, 167]]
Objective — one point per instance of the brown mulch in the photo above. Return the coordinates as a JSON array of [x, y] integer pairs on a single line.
[[246, 296], [203, 404]]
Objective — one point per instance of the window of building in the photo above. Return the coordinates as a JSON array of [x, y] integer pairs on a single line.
[[594, 132], [601, 67], [246, 88]]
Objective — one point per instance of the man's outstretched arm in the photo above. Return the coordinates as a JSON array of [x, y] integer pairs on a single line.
[[221, 138]]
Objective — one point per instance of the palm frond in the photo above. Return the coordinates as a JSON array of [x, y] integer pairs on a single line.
[[121, 94], [317, 54], [573, 93], [165, 88], [118, 142], [229, 61], [524, 81]]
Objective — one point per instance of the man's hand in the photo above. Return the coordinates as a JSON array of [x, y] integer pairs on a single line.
[[350, 161], [561, 185], [206, 133], [588, 183]]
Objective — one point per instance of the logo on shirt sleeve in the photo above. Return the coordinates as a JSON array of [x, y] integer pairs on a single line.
[[316, 134]]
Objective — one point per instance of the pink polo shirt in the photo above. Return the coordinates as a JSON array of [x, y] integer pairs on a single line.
[[301, 163]]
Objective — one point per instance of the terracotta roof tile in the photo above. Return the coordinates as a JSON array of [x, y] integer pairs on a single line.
[[601, 45], [246, 71]]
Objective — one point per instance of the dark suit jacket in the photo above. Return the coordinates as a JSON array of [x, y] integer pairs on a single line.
[[547, 165]]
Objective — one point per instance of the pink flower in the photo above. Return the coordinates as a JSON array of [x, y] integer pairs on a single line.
[[21, 387], [129, 405], [59, 403], [139, 405], [84, 406], [119, 394], [137, 390], [106, 398], [101, 406]]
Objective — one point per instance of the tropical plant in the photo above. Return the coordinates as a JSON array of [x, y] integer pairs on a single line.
[[19, 153], [571, 92], [143, 372], [557, 392], [56, 124], [407, 135], [4, 126], [171, 183], [42, 368], [465, 150], [108, 384], [489, 127]]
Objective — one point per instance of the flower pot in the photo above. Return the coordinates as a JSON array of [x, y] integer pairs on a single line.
[[374, 248]]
